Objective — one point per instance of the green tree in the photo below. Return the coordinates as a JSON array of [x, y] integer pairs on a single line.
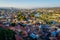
[[32, 14], [7, 34], [21, 16], [13, 24]]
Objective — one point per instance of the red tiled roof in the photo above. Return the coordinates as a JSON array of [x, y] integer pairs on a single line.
[[18, 38]]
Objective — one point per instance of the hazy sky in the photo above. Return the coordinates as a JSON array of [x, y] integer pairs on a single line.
[[29, 3]]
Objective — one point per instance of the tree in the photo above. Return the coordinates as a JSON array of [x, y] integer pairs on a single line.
[[20, 16], [13, 24], [32, 14], [7, 34]]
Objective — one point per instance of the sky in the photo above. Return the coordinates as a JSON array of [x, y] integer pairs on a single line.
[[29, 3]]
